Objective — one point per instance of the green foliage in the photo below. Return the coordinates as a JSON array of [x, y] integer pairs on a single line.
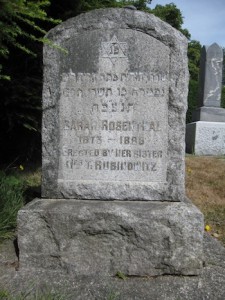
[[19, 19], [170, 14], [223, 97], [14, 14], [70, 8], [86, 5], [15, 190], [23, 24], [223, 81], [23, 107], [194, 54], [11, 200], [192, 99], [21, 37], [186, 33], [121, 275], [5, 295], [20, 106], [113, 296], [141, 4]]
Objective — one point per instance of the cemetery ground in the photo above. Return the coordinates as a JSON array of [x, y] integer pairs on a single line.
[[205, 177]]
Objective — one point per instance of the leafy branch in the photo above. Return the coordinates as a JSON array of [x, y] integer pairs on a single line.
[[17, 19]]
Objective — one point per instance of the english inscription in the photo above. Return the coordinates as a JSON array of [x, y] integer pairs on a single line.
[[114, 122]]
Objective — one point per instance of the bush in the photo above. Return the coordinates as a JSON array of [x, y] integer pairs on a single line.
[[11, 200]]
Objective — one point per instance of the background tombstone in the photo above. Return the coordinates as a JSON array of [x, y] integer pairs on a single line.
[[211, 65], [206, 135], [113, 129]]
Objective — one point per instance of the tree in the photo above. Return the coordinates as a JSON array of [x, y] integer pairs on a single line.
[[19, 19], [21, 31], [70, 8], [223, 82], [172, 15], [23, 25], [194, 54], [223, 97]]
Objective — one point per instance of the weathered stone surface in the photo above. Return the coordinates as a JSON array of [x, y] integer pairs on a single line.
[[205, 138], [95, 237], [114, 108], [209, 114], [113, 129], [211, 66], [210, 284], [8, 258]]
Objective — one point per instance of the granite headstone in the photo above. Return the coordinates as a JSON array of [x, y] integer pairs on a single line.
[[113, 129], [114, 111]]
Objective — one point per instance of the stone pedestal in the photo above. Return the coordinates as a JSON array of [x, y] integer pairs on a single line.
[[205, 138], [209, 114], [102, 238]]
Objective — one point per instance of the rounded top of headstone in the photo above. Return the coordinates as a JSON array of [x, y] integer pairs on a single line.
[[127, 17], [213, 49]]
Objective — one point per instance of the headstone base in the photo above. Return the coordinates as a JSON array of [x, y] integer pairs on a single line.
[[209, 114], [136, 238], [205, 138]]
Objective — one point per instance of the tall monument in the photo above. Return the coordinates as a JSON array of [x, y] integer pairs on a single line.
[[206, 135]]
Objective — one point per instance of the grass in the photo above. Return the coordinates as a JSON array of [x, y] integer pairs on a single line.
[[32, 294], [11, 200], [17, 187], [5, 295], [205, 186]]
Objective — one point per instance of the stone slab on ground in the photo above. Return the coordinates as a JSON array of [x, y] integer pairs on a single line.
[[95, 237], [210, 284], [205, 138]]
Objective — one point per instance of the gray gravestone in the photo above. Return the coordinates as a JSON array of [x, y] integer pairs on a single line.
[[114, 111], [211, 75], [210, 85], [113, 129], [206, 135]]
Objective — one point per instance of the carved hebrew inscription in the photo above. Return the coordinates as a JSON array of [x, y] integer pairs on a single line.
[[113, 123]]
